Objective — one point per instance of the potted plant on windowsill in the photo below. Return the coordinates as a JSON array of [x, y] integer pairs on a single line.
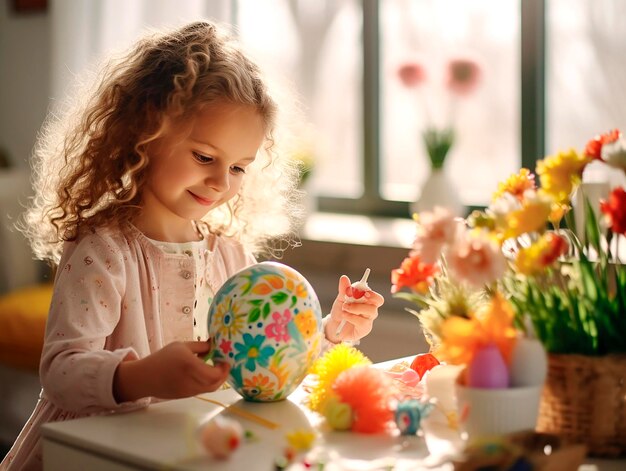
[[568, 291], [439, 102]]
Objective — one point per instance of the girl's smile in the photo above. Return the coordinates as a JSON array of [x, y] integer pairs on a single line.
[[201, 200]]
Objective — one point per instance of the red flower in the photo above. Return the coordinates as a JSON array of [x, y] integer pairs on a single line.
[[412, 74], [557, 246], [594, 146], [462, 75], [614, 210], [413, 274]]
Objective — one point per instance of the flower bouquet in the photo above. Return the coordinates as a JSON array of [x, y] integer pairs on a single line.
[[519, 267]]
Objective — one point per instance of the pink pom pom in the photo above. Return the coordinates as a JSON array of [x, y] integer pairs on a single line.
[[221, 436], [368, 391]]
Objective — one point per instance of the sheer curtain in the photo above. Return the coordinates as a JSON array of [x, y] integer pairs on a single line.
[[83, 30], [586, 77]]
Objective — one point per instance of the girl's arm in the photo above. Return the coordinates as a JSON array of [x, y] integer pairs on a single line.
[[77, 364]]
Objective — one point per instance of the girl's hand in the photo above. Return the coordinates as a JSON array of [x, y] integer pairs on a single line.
[[359, 316], [174, 372]]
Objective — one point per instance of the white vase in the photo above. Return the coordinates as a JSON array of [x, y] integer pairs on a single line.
[[438, 190], [489, 412]]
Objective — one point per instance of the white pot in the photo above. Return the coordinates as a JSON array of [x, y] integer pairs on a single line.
[[488, 412]]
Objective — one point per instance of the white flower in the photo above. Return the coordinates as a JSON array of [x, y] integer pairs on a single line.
[[614, 153]]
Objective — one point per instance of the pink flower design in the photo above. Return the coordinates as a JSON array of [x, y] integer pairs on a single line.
[[278, 328], [475, 259]]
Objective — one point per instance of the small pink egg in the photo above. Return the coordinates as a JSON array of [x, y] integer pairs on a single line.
[[488, 369], [221, 436]]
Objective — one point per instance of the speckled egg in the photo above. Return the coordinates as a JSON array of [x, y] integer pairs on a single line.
[[266, 322]]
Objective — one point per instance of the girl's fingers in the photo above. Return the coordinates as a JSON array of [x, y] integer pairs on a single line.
[[199, 347], [344, 284], [374, 298], [208, 377], [363, 310], [359, 322]]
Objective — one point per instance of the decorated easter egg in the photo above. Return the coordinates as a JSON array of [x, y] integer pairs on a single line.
[[266, 322], [488, 369]]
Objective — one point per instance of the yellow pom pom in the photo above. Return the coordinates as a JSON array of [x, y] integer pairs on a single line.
[[328, 367]]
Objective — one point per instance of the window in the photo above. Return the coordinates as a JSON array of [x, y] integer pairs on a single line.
[[551, 77]]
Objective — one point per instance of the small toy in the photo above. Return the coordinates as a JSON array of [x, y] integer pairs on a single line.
[[326, 370], [409, 415], [221, 436], [368, 393], [423, 363], [355, 294], [301, 439]]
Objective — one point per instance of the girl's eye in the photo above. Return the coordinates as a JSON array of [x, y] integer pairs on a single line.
[[238, 170], [203, 159]]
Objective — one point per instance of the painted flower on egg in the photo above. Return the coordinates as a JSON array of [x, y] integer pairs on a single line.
[[265, 321]]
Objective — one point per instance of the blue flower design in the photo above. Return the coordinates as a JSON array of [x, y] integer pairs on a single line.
[[253, 351]]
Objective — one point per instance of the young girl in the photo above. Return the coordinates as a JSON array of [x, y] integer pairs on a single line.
[[150, 193]]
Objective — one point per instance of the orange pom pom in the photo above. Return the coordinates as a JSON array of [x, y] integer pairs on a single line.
[[368, 391]]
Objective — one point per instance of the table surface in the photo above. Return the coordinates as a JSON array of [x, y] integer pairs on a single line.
[[164, 436]]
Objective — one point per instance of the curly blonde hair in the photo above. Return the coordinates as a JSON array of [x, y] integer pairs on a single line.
[[90, 163]]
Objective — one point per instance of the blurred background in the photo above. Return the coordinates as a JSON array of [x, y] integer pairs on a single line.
[[551, 75]]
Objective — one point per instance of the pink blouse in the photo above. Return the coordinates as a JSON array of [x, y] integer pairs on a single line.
[[116, 296]]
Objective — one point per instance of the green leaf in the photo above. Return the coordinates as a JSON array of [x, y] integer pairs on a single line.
[[266, 310], [592, 231], [279, 297], [254, 315]]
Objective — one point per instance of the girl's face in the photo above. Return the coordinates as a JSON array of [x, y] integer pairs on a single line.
[[197, 167]]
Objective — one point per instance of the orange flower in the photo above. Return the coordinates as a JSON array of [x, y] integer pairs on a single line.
[[413, 274], [614, 209], [492, 324]]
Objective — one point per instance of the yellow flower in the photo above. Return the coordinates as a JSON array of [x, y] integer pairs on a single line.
[[541, 254], [516, 184], [559, 210], [560, 173], [531, 217]]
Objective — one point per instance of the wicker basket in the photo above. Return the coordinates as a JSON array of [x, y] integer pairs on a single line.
[[584, 401]]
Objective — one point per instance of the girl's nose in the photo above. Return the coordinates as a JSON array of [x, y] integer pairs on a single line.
[[218, 179]]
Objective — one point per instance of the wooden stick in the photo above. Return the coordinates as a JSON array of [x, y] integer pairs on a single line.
[[242, 413]]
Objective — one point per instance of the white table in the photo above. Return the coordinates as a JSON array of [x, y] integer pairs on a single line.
[[162, 436]]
